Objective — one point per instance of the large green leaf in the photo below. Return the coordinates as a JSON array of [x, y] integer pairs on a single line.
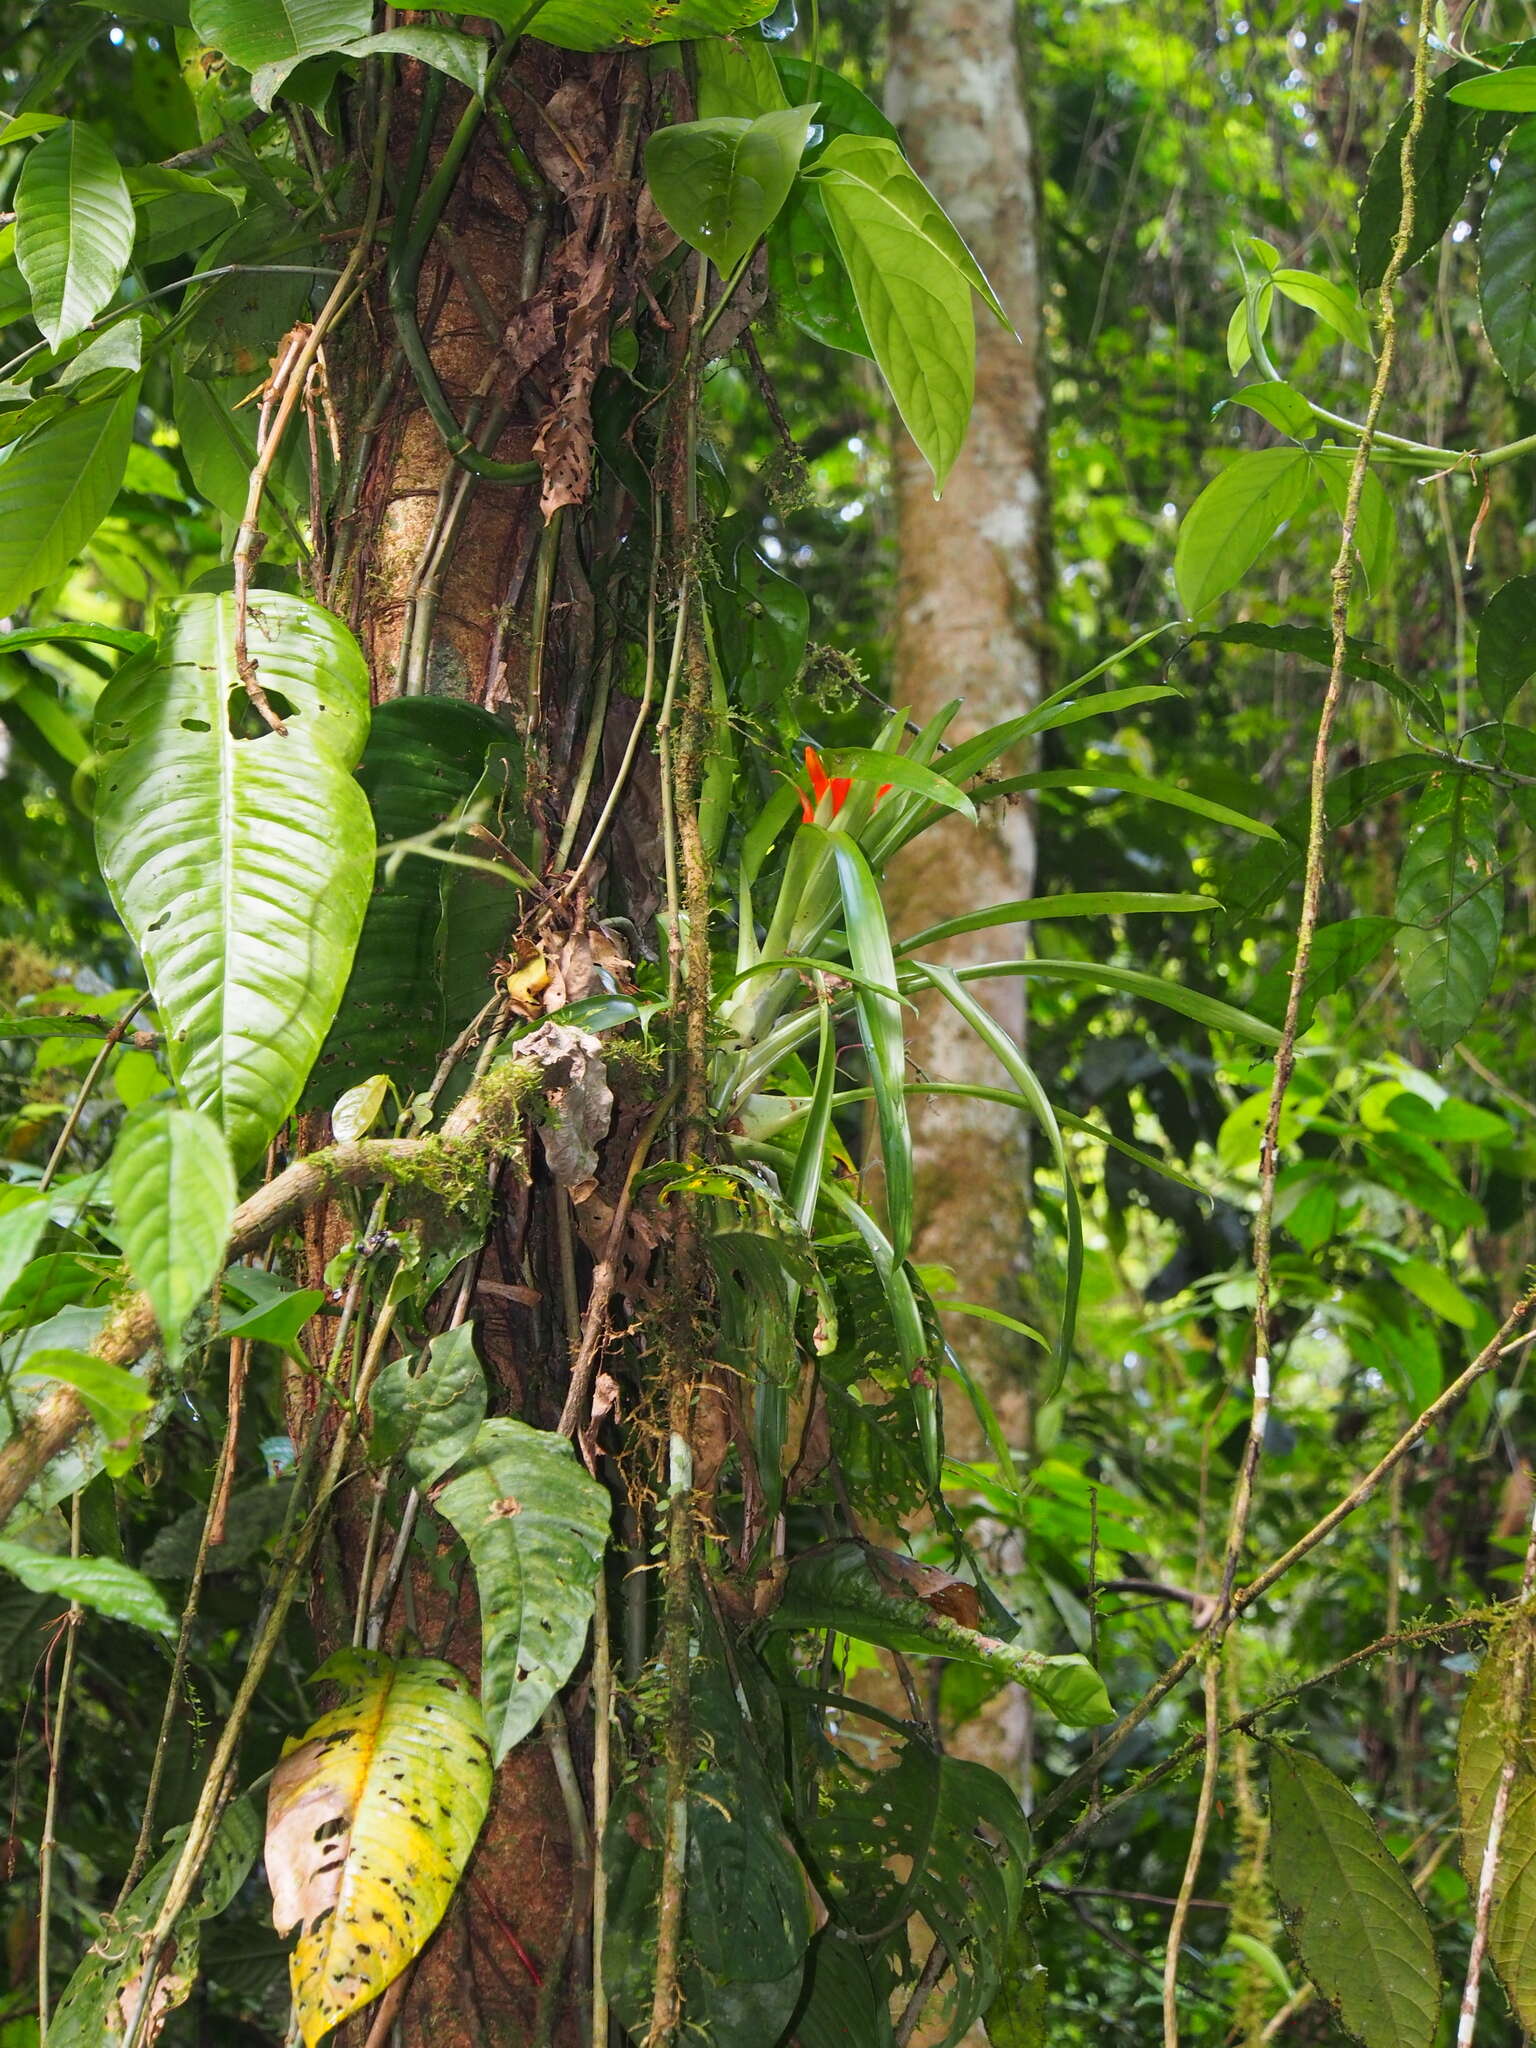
[[1362, 1935], [56, 486], [838, 1588], [241, 865], [1447, 157], [535, 1524], [97, 2005], [174, 1190], [1506, 264], [1483, 1745], [1450, 907], [1235, 518], [101, 1583], [1506, 636], [370, 1820], [605, 24], [720, 183], [913, 298], [74, 229], [1507, 92], [432, 933], [256, 32]]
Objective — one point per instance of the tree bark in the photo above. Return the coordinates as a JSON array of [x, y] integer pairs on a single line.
[[458, 588], [970, 623]]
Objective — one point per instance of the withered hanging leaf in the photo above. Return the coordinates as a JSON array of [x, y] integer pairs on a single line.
[[370, 1821]]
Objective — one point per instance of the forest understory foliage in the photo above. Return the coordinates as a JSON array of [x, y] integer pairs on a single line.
[[503, 1536]]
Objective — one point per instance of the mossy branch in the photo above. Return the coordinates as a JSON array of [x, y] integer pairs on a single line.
[[450, 1161]]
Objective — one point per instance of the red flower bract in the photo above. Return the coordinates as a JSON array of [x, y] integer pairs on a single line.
[[821, 782]]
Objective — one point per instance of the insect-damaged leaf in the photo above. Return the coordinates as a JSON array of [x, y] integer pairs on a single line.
[[97, 2008], [535, 1524], [370, 1821], [1479, 1764], [1363, 1937], [1450, 907], [241, 864]]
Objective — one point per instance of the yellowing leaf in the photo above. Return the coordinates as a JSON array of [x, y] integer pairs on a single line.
[[370, 1821]]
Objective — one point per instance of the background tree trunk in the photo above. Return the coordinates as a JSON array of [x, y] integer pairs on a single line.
[[970, 622]]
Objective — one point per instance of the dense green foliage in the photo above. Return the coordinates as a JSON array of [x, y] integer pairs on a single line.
[[711, 1511]]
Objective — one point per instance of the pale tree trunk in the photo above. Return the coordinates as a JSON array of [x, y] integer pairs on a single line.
[[969, 623]]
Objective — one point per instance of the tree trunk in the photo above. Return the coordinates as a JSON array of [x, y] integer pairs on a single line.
[[970, 623], [478, 590]]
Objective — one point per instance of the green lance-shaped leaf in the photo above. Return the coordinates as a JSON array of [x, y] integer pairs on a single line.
[[839, 1588], [174, 1190], [56, 486], [74, 229], [608, 24], [98, 2005], [1506, 634], [252, 33], [430, 1409], [1362, 1935], [913, 295], [1506, 92], [1450, 907], [880, 1027], [720, 183], [1482, 1747], [100, 1583], [1235, 518], [240, 865], [1506, 261], [370, 1820], [1335, 304], [535, 1524]]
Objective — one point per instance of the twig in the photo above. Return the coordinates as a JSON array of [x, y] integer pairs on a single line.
[[1358, 1494], [49, 1842], [86, 1090], [1514, 1738], [1196, 1848], [932, 1970]]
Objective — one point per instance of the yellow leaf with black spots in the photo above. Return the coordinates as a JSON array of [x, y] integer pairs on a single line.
[[370, 1820]]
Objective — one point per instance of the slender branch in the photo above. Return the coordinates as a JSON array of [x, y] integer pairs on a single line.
[[1196, 1849], [49, 1843], [1358, 1494]]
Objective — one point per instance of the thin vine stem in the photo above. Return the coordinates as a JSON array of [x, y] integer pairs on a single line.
[[49, 1843]]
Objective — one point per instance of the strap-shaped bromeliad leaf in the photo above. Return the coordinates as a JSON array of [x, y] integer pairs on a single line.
[[370, 1821], [240, 862]]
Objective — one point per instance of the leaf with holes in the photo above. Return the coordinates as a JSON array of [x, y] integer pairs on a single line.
[[56, 486], [370, 1820], [1362, 1935], [1450, 907], [536, 1525], [932, 1836], [240, 863], [173, 1188], [1506, 260], [252, 33], [74, 229], [98, 2005], [1481, 1751]]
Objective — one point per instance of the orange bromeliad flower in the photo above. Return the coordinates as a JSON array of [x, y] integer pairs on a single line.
[[821, 782]]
